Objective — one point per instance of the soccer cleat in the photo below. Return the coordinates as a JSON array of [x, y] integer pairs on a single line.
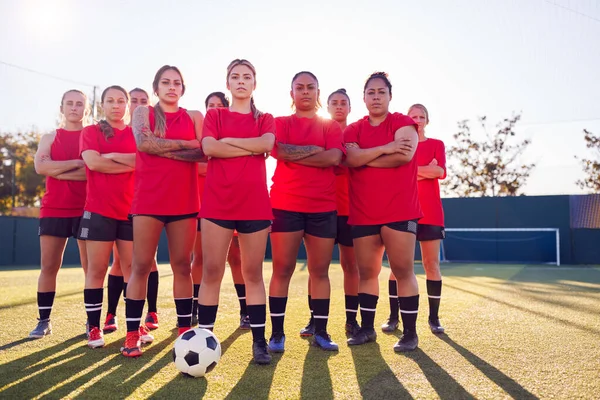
[[132, 346], [352, 328], [151, 321], [323, 340], [95, 338], [435, 326], [110, 325], [43, 328], [308, 330], [364, 335], [390, 325], [408, 342], [244, 322], [259, 352], [145, 336], [277, 342]]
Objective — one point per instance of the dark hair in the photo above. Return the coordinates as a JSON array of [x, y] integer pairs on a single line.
[[379, 75], [160, 120], [312, 76], [422, 107], [221, 97], [339, 91], [137, 89], [240, 61], [104, 126]]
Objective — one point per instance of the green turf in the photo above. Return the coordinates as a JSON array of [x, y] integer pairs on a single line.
[[512, 331]]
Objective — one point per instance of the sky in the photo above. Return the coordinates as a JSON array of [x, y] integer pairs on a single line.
[[461, 58]]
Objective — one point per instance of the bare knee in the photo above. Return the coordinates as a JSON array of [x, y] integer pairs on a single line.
[[349, 267], [319, 273], [212, 273], [403, 272], [283, 271], [368, 273]]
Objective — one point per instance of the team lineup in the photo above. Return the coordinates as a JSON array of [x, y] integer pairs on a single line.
[[371, 187]]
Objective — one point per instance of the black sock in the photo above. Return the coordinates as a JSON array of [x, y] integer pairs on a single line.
[[351, 308], [409, 307], [320, 314], [152, 291], [195, 300], [310, 307], [368, 304], [258, 319], [92, 298], [124, 290], [241, 293], [393, 289], [114, 287], [133, 314], [434, 292], [277, 311], [183, 307], [207, 315], [45, 301]]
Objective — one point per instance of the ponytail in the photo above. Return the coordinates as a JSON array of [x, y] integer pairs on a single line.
[[255, 112], [106, 129], [160, 121]]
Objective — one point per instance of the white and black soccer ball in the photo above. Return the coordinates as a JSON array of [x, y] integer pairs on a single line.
[[196, 352]]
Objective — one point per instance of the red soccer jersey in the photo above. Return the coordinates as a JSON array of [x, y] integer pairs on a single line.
[[236, 188], [109, 195], [164, 186], [341, 191], [298, 187], [381, 195], [429, 189], [63, 199]]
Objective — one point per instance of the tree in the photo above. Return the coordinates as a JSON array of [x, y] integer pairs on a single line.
[[488, 167], [591, 167], [17, 172]]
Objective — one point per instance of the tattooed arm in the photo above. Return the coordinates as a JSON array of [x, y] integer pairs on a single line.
[[193, 154], [290, 152], [74, 175], [44, 165], [148, 143]]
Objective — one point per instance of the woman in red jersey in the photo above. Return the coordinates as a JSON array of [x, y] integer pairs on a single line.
[[58, 159], [383, 215], [236, 197], [304, 206], [431, 159], [116, 283], [108, 149], [218, 100], [338, 106], [166, 196]]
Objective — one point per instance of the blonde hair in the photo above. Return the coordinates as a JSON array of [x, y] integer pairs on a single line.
[[87, 109]]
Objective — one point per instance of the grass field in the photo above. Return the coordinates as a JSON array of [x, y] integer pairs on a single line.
[[512, 331]]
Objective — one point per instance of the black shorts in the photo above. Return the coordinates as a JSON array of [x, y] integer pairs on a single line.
[[344, 232], [323, 225], [242, 226], [60, 227], [359, 231], [166, 219], [430, 232], [99, 228]]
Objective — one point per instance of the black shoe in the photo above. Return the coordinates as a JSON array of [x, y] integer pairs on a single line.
[[244, 322], [308, 330], [435, 326], [364, 335], [390, 325], [260, 353], [408, 342], [352, 328]]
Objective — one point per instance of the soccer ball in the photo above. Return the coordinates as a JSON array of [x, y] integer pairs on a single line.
[[196, 352]]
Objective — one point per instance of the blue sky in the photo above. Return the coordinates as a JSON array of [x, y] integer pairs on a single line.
[[460, 58]]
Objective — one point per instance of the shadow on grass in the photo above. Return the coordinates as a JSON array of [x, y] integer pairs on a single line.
[[375, 378], [14, 344], [509, 385], [316, 378], [444, 384], [256, 381], [230, 339]]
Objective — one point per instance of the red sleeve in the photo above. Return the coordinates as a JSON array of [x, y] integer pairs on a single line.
[[440, 156], [401, 120], [210, 127], [267, 124], [334, 138], [88, 140], [351, 134]]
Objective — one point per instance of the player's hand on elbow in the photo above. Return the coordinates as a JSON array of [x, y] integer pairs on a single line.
[[433, 162]]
